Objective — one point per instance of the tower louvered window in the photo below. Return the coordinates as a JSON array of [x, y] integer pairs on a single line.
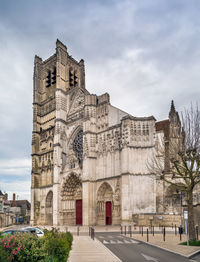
[[54, 76], [48, 79], [73, 78]]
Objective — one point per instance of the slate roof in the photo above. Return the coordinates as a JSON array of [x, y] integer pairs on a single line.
[[163, 126], [20, 203]]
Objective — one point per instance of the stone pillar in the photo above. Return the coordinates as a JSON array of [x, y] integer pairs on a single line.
[[88, 204], [32, 222], [56, 195], [55, 204], [125, 200], [86, 207]]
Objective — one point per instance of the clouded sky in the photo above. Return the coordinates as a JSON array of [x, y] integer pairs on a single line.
[[144, 53]]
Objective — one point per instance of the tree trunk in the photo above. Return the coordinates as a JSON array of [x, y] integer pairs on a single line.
[[191, 227]]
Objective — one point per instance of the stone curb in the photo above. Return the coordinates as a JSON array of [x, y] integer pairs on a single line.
[[108, 250], [194, 253], [166, 249]]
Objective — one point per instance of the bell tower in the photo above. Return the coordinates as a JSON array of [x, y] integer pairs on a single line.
[[52, 80]]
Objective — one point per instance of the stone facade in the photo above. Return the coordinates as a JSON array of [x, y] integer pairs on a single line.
[[89, 157], [7, 217]]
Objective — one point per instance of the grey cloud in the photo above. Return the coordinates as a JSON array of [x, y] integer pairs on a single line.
[[144, 53]]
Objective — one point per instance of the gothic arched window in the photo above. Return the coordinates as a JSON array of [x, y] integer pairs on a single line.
[[78, 146]]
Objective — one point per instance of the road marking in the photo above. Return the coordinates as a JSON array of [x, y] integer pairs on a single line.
[[112, 242], [126, 241], [150, 258], [110, 236], [101, 237], [134, 242]]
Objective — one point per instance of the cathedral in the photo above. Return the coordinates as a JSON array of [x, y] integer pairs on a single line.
[[89, 158]]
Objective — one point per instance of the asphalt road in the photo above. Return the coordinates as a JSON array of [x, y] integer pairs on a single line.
[[130, 250], [196, 257]]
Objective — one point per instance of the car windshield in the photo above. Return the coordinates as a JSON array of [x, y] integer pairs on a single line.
[[36, 230]]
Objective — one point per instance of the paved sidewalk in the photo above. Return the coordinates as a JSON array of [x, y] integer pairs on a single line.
[[171, 243], [84, 249]]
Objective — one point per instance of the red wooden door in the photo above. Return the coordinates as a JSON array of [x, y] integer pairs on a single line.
[[108, 213], [78, 212]]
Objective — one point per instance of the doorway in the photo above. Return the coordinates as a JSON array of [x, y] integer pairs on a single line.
[[108, 213], [78, 212]]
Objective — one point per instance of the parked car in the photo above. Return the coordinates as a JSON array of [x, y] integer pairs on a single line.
[[34, 230], [11, 232]]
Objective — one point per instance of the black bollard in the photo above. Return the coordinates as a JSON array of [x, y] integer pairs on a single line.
[[164, 233], [197, 232], [77, 231], [147, 235], [125, 230], [180, 232], [142, 230], [175, 230], [153, 230]]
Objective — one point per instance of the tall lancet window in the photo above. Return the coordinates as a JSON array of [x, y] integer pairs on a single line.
[[78, 147]]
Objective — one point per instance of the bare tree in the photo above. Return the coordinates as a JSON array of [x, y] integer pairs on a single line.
[[177, 161]]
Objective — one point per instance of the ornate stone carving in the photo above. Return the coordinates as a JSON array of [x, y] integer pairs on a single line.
[[77, 103], [71, 186], [85, 147]]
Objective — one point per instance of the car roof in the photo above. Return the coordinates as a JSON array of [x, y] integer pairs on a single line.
[[10, 230]]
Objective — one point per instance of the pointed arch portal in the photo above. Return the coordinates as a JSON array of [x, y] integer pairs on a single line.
[[104, 204], [49, 208], [72, 200]]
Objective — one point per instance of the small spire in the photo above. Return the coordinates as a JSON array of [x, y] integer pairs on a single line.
[[59, 44], [37, 59], [172, 109], [81, 62]]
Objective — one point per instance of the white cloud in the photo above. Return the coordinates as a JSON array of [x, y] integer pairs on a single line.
[[21, 189], [15, 167]]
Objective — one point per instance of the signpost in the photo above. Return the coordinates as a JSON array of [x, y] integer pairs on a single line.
[[186, 225]]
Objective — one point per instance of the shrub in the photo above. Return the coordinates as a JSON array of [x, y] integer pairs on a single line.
[[192, 243], [11, 245], [58, 245], [32, 249], [3, 255], [54, 246]]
